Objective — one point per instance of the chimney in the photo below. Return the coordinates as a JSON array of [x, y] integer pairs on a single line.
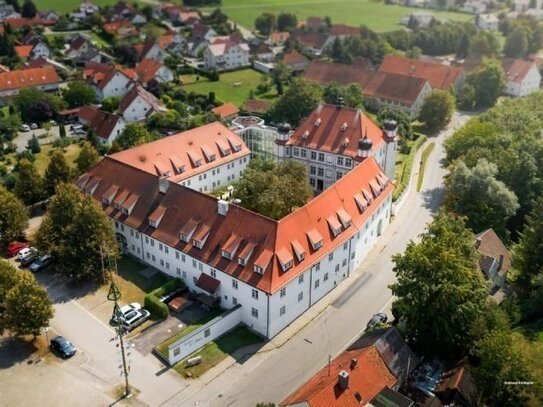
[[354, 361], [222, 207], [343, 379], [163, 185]]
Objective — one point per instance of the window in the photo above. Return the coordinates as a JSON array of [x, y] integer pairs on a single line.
[[317, 266], [166, 250], [348, 162], [137, 235], [160, 247], [177, 255], [312, 182], [326, 277], [313, 155], [317, 283], [301, 279], [295, 151], [131, 232], [339, 174], [133, 247], [117, 224], [254, 294], [153, 257], [345, 245], [193, 263], [184, 274], [340, 161], [200, 267], [148, 255], [337, 268], [235, 284], [312, 170], [194, 279], [283, 292], [234, 301], [254, 312], [344, 263], [300, 296], [177, 351], [303, 153], [146, 240], [161, 262], [207, 332], [213, 273], [320, 172], [331, 257], [167, 265], [282, 310], [321, 157], [178, 271], [352, 256], [152, 243]]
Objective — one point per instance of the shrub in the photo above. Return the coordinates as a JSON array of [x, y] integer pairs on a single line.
[[157, 308], [168, 287], [408, 164]]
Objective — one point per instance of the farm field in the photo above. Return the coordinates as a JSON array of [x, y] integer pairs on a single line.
[[376, 15], [66, 6], [232, 87]]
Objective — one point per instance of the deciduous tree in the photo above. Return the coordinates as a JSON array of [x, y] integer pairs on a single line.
[[516, 43], [29, 185], [78, 93], [437, 109], [265, 23], [488, 81], [57, 172], [88, 157], [286, 22], [29, 9], [13, 217], [297, 102]]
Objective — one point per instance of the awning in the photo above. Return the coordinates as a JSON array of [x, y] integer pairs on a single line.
[[208, 283]]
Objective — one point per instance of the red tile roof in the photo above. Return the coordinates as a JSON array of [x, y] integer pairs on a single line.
[[22, 78], [23, 51], [294, 57], [147, 69], [490, 246], [328, 134], [17, 23], [135, 92], [266, 235], [208, 283], [344, 30], [309, 39], [439, 76], [226, 110], [367, 377], [325, 72], [102, 123], [399, 88], [256, 106], [279, 36], [516, 69]]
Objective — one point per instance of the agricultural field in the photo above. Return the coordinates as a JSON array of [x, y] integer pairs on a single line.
[[232, 87], [376, 15], [66, 6]]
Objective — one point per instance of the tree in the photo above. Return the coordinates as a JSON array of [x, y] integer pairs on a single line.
[[27, 308], [36, 105], [88, 157], [127, 54], [286, 22], [402, 119], [15, 4], [437, 109], [29, 184], [265, 23], [439, 292], [33, 145], [478, 195], [62, 131], [29, 9], [147, 11], [134, 134], [516, 43], [353, 96], [110, 104], [484, 43], [76, 230], [297, 102], [501, 362], [280, 75], [488, 81], [273, 189], [528, 252], [13, 217], [57, 172], [9, 278], [78, 93]]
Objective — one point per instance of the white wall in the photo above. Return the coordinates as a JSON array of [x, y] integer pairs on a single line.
[[117, 87], [136, 111], [209, 332]]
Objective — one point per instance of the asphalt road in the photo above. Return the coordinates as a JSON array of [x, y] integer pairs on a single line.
[[273, 376]]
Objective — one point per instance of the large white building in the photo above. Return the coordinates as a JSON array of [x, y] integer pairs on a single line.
[[225, 54], [275, 269], [523, 77]]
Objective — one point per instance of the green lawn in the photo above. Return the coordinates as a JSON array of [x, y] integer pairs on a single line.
[[404, 166], [425, 154], [129, 269], [375, 15], [66, 6], [232, 87], [530, 338], [216, 351], [163, 347]]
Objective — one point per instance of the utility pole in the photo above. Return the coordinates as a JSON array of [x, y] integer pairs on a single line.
[[114, 295]]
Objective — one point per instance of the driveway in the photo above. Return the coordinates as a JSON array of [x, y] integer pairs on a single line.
[[21, 140]]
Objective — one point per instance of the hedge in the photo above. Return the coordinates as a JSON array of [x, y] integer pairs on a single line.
[[408, 165], [152, 300], [171, 285]]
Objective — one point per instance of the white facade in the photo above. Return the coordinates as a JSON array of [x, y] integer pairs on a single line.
[[236, 56], [156, 53], [40, 50], [115, 132], [118, 86], [137, 111], [412, 110], [529, 84], [267, 314], [53, 87], [164, 74], [487, 22]]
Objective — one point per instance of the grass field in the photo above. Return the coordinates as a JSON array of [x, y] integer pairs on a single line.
[[375, 15], [425, 154], [66, 6], [232, 87]]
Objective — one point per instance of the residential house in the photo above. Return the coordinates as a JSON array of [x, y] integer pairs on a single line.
[[32, 47], [487, 22], [402, 92], [148, 69], [261, 52], [195, 46], [138, 20], [106, 126], [341, 32], [85, 10], [278, 39], [42, 63], [203, 31], [138, 104], [124, 10], [21, 23], [48, 15], [474, 7], [121, 28], [295, 61], [438, 75], [173, 42], [523, 77], [107, 81], [333, 139], [313, 23], [323, 73], [312, 43], [7, 11], [373, 368], [226, 53], [45, 79], [494, 258], [274, 269], [227, 111], [151, 50], [81, 49]]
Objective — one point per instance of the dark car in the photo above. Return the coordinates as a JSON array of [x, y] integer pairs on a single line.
[[172, 294], [379, 318], [41, 263], [63, 347], [29, 259]]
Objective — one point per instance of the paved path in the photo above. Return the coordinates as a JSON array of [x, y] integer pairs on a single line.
[[288, 361]]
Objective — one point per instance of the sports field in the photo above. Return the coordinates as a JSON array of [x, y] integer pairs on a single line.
[[376, 15]]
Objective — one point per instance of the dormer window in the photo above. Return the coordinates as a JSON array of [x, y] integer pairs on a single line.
[[242, 262], [167, 174], [105, 200], [197, 243], [181, 169], [344, 126], [152, 223], [315, 239], [287, 265], [198, 163], [226, 254], [258, 269], [212, 157], [237, 147], [305, 135], [334, 224], [318, 122], [125, 211]]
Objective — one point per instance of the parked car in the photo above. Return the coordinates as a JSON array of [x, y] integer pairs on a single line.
[[76, 126], [33, 126], [23, 253], [41, 263], [31, 258], [379, 318], [135, 318], [52, 122], [125, 309], [171, 295], [24, 128], [62, 346], [15, 247]]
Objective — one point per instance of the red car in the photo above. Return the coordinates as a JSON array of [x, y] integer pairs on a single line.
[[15, 247]]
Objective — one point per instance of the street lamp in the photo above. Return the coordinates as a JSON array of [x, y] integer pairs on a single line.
[[46, 332]]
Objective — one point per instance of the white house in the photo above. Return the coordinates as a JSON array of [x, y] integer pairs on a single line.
[[474, 7], [225, 54], [487, 22], [138, 104], [106, 126], [45, 79], [151, 50], [108, 81], [149, 69], [523, 77]]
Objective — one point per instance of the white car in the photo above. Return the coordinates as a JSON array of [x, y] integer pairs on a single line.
[[135, 318], [24, 128], [24, 253], [125, 309]]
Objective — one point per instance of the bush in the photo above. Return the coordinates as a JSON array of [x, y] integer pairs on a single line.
[[408, 164], [157, 308], [168, 287]]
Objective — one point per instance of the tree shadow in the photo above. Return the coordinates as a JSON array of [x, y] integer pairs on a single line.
[[62, 290], [14, 350], [432, 198]]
